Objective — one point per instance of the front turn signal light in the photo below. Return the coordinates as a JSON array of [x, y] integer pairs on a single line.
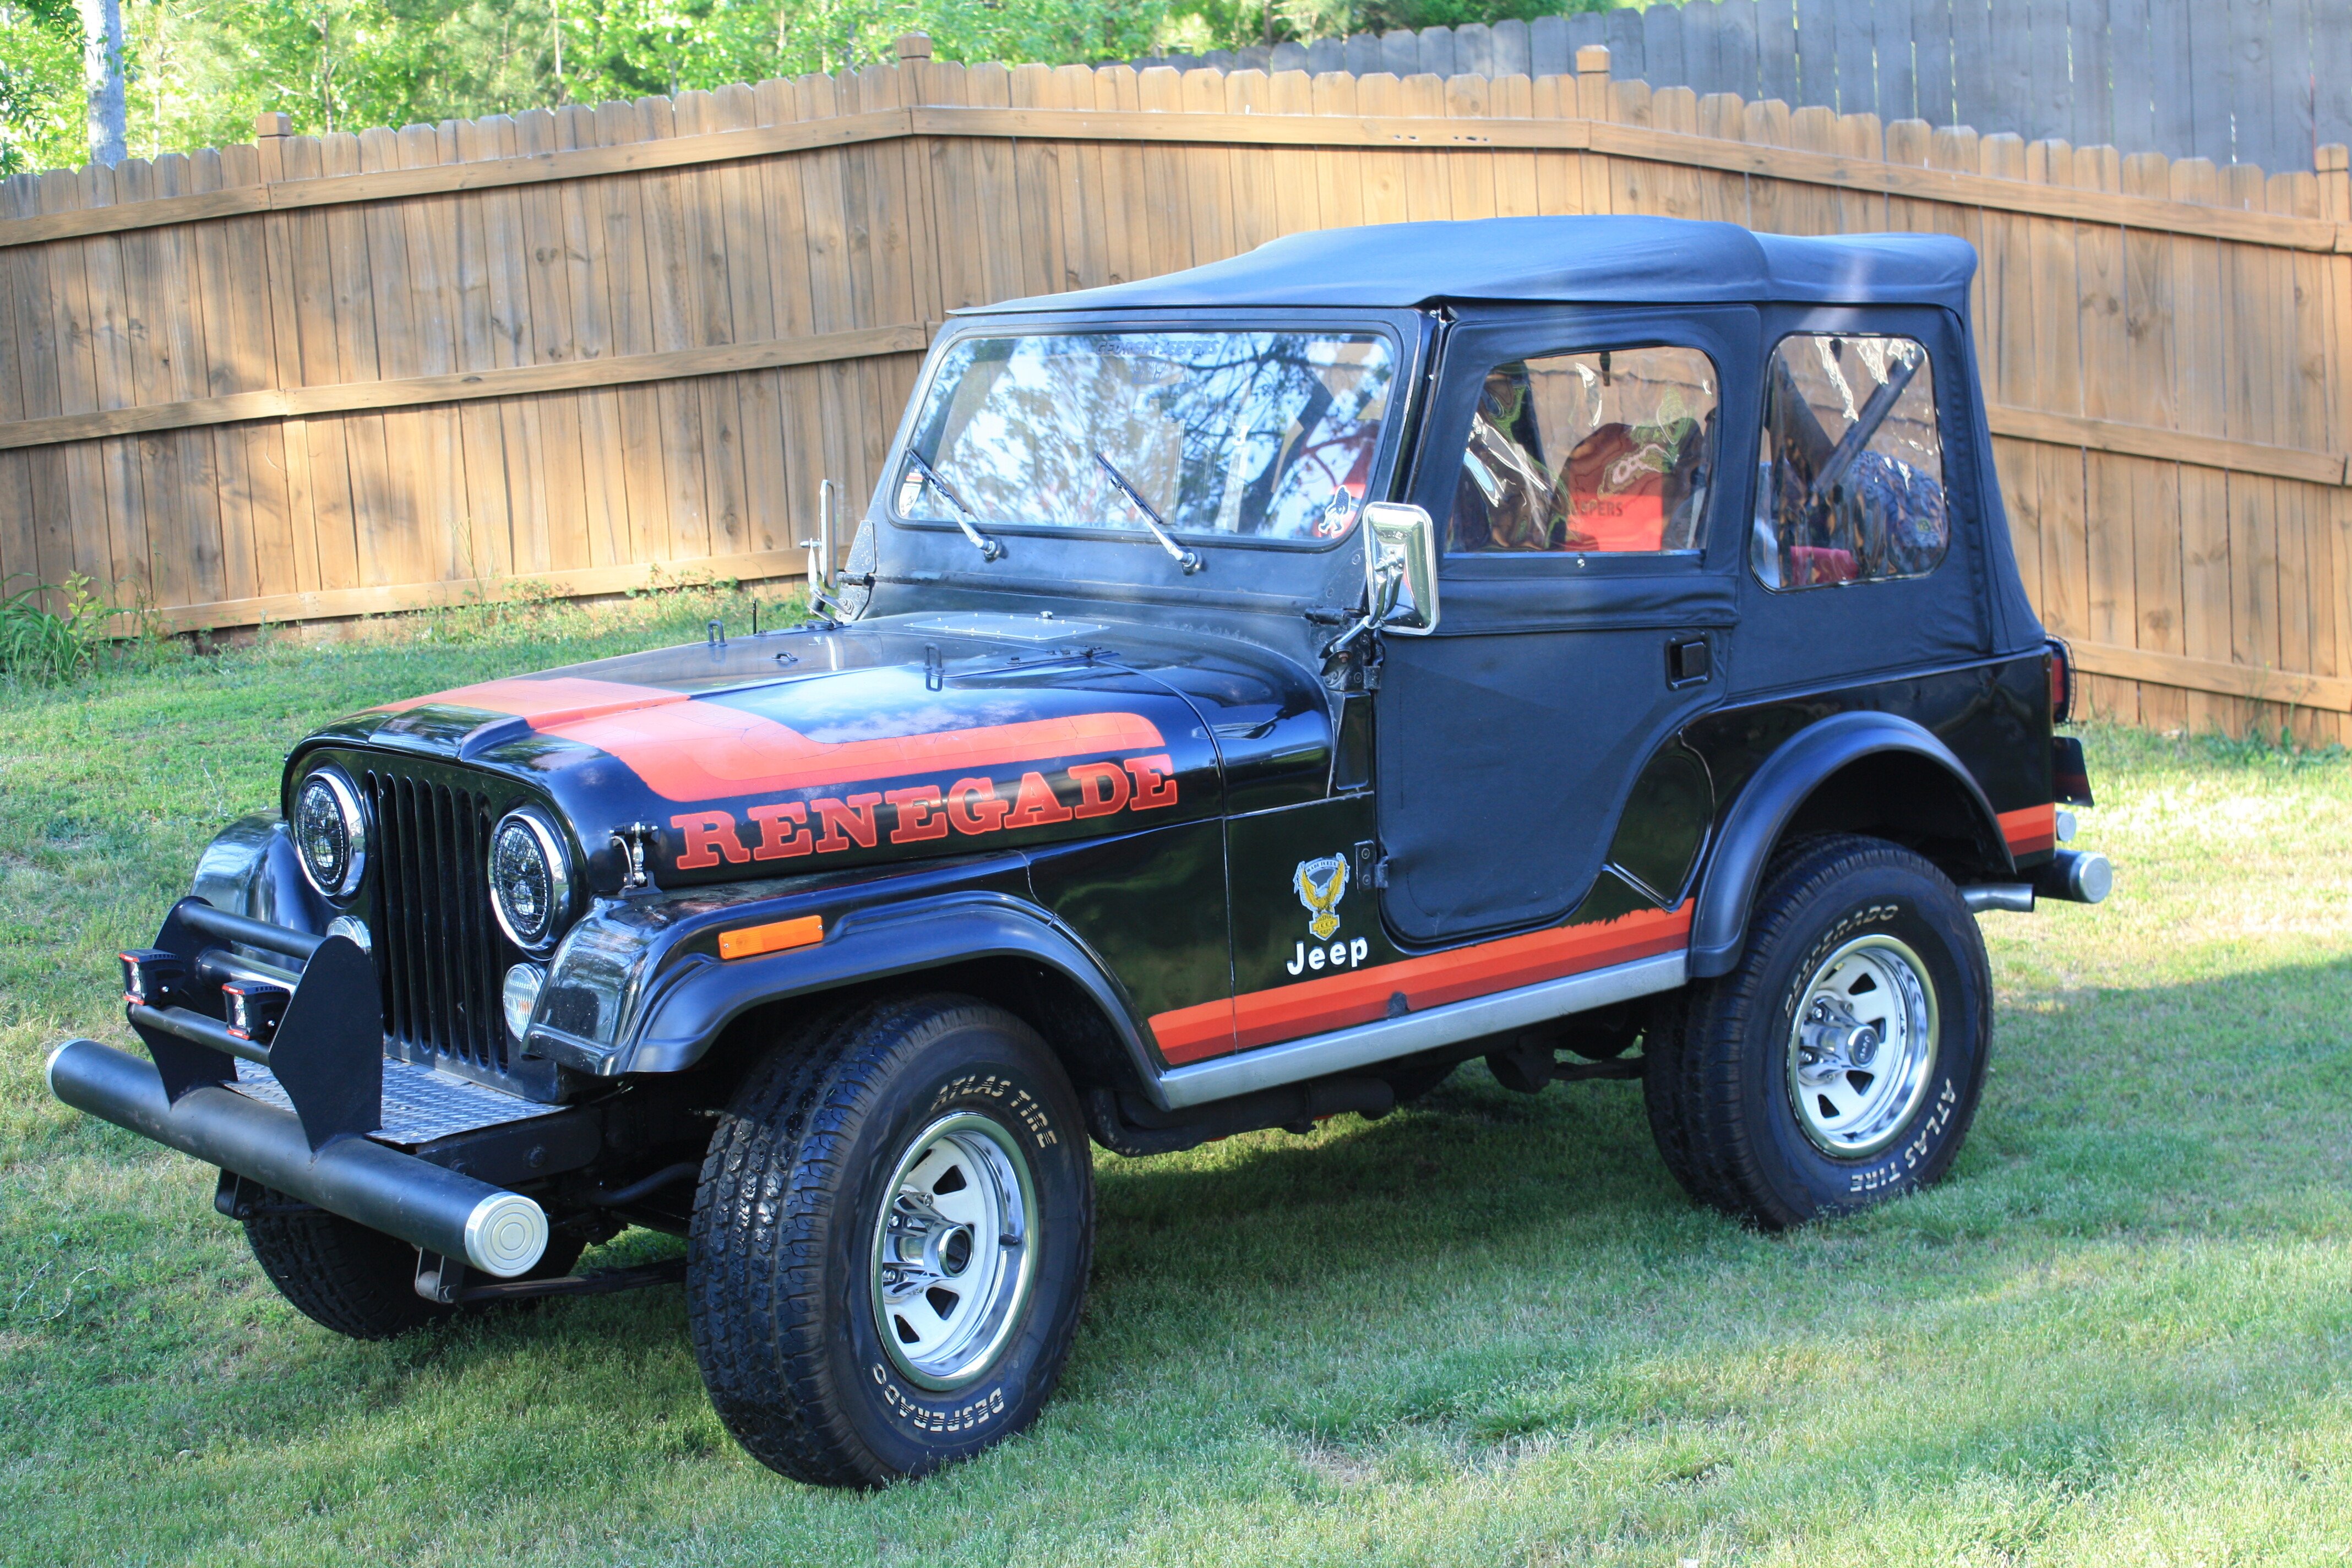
[[774, 937]]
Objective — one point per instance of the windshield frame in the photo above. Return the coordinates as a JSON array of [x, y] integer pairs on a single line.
[[1405, 347]]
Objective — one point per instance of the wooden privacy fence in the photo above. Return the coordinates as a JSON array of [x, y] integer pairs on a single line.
[[328, 376], [2238, 81]]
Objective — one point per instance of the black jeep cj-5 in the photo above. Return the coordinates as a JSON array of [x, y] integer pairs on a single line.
[[1253, 693]]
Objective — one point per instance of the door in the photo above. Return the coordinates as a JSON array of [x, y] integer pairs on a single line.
[[1586, 469]]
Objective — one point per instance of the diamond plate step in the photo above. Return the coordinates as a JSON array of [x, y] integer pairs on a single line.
[[419, 1104]]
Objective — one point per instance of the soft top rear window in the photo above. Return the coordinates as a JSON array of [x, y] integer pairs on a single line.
[[1240, 434]]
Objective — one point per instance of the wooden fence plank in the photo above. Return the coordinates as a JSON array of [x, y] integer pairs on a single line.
[[255, 553], [1296, 196], [2200, 363], [127, 279], [98, 374], [20, 553], [407, 494], [2144, 393], [2058, 388], [2111, 609], [726, 475], [489, 547], [684, 506]]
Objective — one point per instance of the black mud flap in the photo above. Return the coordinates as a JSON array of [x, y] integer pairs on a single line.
[[2070, 776]]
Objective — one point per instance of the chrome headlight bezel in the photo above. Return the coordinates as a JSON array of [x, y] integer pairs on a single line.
[[538, 939], [352, 814]]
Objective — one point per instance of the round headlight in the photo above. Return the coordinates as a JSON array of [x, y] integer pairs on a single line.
[[530, 878], [331, 831]]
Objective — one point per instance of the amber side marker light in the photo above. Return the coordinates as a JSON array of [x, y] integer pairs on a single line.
[[774, 937]]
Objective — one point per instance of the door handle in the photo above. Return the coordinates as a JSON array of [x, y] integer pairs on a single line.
[[1689, 662]]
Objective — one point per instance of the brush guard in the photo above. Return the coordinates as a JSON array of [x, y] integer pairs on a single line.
[[202, 1003]]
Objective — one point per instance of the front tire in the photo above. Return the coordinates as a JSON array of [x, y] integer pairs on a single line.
[[1839, 1064], [359, 1282], [892, 1240]]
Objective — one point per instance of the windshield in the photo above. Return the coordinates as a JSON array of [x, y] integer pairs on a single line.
[[1260, 434]]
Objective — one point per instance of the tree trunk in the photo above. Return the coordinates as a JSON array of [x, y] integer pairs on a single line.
[[101, 71]]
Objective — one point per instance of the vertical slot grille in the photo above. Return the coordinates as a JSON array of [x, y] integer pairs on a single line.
[[440, 955]]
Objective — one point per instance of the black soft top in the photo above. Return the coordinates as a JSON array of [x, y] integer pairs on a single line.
[[1571, 260]]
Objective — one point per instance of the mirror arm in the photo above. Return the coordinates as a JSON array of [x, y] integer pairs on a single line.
[[1346, 639], [820, 561]]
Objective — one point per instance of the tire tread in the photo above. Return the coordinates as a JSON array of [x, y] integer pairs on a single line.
[[1697, 1088], [761, 1233]]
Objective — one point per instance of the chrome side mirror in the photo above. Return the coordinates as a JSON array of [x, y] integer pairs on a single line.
[[820, 549], [1400, 568]]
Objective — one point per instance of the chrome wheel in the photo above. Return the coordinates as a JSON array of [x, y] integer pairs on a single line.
[[1862, 1052], [953, 1250]]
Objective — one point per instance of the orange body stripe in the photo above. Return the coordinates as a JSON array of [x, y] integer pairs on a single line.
[[1193, 1034], [690, 751], [1481, 969], [2033, 828], [749, 941]]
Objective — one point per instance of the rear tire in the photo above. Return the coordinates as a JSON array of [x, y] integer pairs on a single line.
[[359, 1282], [1839, 1064], [891, 1241]]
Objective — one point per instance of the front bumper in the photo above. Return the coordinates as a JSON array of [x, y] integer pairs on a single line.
[[496, 1231], [309, 1119]]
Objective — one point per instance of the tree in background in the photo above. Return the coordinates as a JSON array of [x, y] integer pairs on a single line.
[[42, 113], [102, 78], [194, 72]]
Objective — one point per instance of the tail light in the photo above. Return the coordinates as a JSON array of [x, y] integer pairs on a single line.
[[2061, 665]]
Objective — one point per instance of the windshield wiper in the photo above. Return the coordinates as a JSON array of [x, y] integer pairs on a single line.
[[989, 549], [1187, 559]]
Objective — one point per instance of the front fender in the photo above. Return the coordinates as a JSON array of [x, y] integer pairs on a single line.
[[1763, 810], [699, 996], [252, 869]]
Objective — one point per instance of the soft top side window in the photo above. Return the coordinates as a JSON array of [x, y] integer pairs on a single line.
[[1853, 483], [1609, 449]]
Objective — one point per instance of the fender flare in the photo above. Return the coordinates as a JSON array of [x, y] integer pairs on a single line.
[[1762, 810], [694, 1001]]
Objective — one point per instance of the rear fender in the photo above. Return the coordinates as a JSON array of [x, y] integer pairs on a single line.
[[1773, 799]]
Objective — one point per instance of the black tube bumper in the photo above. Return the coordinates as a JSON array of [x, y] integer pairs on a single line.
[[2076, 875], [498, 1232]]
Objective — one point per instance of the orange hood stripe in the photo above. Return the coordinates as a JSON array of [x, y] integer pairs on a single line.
[[689, 751], [704, 750], [1432, 980], [560, 700]]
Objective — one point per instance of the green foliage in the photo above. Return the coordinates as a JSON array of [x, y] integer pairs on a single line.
[[46, 646], [1196, 25], [198, 71], [40, 85]]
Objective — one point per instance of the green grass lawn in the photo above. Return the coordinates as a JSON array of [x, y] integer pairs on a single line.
[[1486, 1330]]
